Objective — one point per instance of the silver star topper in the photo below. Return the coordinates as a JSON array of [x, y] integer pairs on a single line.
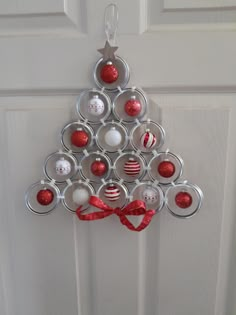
[[108, 51]]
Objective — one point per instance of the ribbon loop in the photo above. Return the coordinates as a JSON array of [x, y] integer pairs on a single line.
[[136, 207]]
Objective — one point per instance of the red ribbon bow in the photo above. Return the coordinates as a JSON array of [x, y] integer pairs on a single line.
[[136, 207]]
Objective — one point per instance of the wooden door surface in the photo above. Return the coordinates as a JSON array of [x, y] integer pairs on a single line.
[[182, 53]]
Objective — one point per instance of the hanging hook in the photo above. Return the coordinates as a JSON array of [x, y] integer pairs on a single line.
[[111, 19]]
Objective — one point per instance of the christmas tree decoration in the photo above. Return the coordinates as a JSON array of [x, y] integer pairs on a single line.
[[150, 196], [60, 166], [132, 167], [109, 73], [112, 193], [120, 170], [113, 137], [148, 140], [45, 197], [79, 138], [133, 107], [129, 167], [63, 167], [150, 193], [98, 167], [76, 194], [147, 136], [130, 104], [166, 169], [42, 197], [95, 106], [183, 200], [80, 196], [108, 52]]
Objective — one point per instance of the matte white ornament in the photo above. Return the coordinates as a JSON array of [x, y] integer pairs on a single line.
[[95, 106], [150, 196], [113, 137], [80, 196], [63, 167]]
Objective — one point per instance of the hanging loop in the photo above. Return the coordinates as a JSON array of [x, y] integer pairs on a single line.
[[111, 22]]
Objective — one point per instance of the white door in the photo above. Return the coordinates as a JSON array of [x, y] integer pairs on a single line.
[[183, 54]]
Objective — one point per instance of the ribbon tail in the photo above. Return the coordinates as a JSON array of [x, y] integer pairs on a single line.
[[143, 224]]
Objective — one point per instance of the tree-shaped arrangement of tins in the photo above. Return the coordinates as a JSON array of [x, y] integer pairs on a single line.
[[112, 150]]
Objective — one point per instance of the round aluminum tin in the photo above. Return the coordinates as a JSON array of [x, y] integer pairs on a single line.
[[138, 131], [85, 166], [50, 166], [103, 129], [123, 78], [165, 156], [119, 166], [82, 106], [66, 135], [120, 101], [193, 190], [139, 190], [123, 198], [67, 193], [31, 197]]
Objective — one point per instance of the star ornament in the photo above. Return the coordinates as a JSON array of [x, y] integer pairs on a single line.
[[108, 52]]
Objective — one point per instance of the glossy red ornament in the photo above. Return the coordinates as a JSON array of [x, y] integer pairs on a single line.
[[79, 138], [45, 197], [133, 107], [183, 200], [98, 167], [166, 169], [109, 73]]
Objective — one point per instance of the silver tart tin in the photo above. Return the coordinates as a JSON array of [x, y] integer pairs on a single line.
[[67, 132], [139, 193], [120, 166], [123, 198], [140, 129], [86, 162], [193, 190], [67, 200], [31, 197], [50, 166], [165, 156], [101, 136], [82, 106], [120, 100], [123, 70]]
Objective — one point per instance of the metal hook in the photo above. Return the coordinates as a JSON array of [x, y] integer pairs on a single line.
[[111, 22]]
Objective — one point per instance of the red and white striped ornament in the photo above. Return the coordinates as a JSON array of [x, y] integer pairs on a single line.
[[112, 193], [148, 140], [132, 167]]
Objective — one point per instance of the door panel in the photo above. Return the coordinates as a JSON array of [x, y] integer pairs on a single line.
[[56, 264]]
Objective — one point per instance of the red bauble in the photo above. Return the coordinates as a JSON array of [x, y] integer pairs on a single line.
[[109, 73], [98, 168], [45, 197], [183, 200], [79, 138], [166, 169], [133, 107]]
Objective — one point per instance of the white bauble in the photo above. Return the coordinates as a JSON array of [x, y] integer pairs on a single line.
[[63, 167], [113, 137], [80, 196], [150, 196], [95, 106]]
